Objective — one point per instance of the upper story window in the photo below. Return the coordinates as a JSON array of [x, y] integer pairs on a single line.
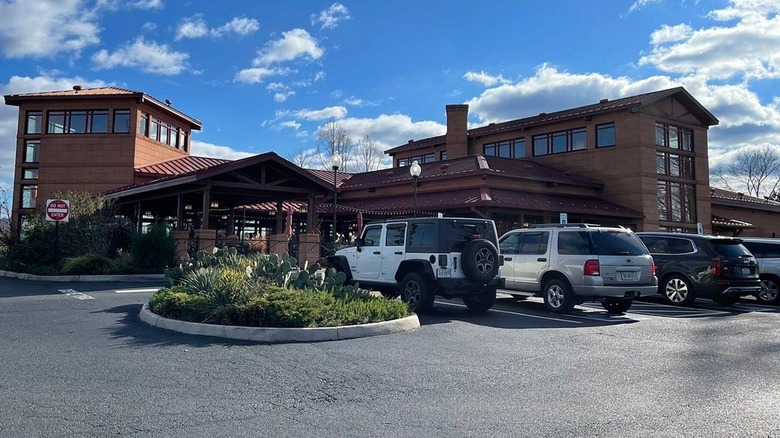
[[560, 142], [427, 158], [506, 149], [34, 122], [162, 131], [184, 141], [143, 127], [29, 195], [673, 137], [32, 150], [31, 173], [443, 155], [605, 135], [78, 122], [122, 121], [676, 165]]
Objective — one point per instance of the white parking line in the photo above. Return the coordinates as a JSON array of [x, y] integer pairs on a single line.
[[75, 294], [137, 291], [515, 313]]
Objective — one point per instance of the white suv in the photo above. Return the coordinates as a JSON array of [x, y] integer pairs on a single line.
[[423, 257], [569, 264], [767, 253]]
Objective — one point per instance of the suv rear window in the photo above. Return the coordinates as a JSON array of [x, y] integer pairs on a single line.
[[729, 247], [600, 242], [457, 233]]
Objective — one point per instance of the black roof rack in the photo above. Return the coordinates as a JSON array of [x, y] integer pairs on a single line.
[[571, 225]]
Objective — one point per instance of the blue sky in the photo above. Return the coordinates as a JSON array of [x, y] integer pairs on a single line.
[[265, 75]]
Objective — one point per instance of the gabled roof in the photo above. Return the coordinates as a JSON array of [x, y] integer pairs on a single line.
[[178, 166], [631, 103], [97, 93], [736, 199], [469, 165]]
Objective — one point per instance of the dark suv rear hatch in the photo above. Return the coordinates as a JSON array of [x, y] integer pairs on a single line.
[[733, 260]]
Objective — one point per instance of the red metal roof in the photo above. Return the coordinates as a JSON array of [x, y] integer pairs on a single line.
[[632, 102], [178, 166]]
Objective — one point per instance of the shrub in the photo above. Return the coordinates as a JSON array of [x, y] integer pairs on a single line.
[[296, 308], [154, 250], [90, 264], [176, 303]]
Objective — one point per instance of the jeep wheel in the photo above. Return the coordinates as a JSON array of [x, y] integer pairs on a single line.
[[481, 301], [616, 306], [558, 296], [770, 292], [417, 293], [480, 260], [677, 291]]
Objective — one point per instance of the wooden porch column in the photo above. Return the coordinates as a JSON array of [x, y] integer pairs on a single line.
[[179, 212], [204, 221]]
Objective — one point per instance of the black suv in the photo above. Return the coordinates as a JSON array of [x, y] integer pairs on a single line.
[[423, 257], [695, 265]]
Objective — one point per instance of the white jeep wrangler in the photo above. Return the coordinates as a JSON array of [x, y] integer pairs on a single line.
[[424, 257]]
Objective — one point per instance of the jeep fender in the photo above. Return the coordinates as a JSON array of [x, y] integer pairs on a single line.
[[340, 264], [422, 267]]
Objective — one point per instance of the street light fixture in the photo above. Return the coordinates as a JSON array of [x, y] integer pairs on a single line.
[[415, 171], [335, 162]]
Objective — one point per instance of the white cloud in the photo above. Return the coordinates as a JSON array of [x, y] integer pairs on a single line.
[[282, 96], [747, 50], [196, 27], [333, 112], [46, 28], [485, 78], [149, 57], [290, 124], [330, 18], [114, 5], [203, 149], [258, 74], [294, 44], [639, 4], [393, 130]]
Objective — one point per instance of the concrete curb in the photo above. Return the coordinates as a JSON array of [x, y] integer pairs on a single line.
[[84, 278], [280, 335]]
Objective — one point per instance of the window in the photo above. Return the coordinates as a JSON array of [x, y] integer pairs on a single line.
[[422, 235], [676, 202], [673, 137], [154, 129], [30, 174], [122, 121], [427, 158], [574, 243], [143, 127], [78, 122], [29, 195], [506, 149], [184, 141], [560, 142], [34, 121], [680, 166], [535, 243], [32, 151], [443, 155], [395, 235], [605, 135], [510, 243], [372, 236]]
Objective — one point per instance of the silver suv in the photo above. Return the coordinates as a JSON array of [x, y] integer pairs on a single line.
[[424, 257], [569, 264], [767, 253]]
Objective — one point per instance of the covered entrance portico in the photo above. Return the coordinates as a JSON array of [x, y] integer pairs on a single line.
[[218, 204]]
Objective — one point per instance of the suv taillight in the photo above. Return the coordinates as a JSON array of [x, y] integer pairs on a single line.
[[591, 268], [652, 268], [717, 267]]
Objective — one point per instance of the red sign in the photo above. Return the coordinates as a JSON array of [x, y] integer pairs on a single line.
[[57, 210]]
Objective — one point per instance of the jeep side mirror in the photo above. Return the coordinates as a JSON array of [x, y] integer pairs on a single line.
[[360, 242]]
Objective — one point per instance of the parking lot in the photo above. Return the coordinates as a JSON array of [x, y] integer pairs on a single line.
[[78, 362]]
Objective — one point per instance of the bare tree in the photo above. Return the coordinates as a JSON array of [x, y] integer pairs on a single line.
[[7, 234], [755, 169], [302, 157], [333, 138], [368, 154]]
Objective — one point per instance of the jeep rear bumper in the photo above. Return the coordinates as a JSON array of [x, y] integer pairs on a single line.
[[462, 286]]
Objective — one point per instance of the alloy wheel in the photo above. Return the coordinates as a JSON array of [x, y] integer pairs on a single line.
[[769, 291], [676, 290]]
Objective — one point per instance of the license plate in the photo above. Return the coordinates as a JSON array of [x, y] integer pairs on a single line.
[[628, 276], [745, 271], [443, 272]]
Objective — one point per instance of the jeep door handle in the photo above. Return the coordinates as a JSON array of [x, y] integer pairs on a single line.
[[541, 259], [398, 253], [377, 252], [509, 259]]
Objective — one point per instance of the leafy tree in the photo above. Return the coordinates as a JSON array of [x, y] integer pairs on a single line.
[[756, 169]]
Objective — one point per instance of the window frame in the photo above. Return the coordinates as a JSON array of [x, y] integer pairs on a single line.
[[32, 115], [28, 194], [551, 142], [512, 147], [117, 114], [600, 128]]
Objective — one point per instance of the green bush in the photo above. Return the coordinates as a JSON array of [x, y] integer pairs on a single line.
[[90, 264], [175, 303], [155, 250]]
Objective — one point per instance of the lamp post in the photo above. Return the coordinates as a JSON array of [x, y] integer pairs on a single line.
[[335, 162], [415, 171]]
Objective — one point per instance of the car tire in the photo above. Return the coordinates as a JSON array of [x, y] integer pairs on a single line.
[[482, 301], [770, 293], [616, 306], [558, 296], [417, 293], [480, 260], [677, 290]]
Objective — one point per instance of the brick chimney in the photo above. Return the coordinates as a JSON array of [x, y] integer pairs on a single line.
[[457, 137]]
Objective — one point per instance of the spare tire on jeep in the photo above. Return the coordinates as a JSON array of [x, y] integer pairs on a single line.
[[480, 260]]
